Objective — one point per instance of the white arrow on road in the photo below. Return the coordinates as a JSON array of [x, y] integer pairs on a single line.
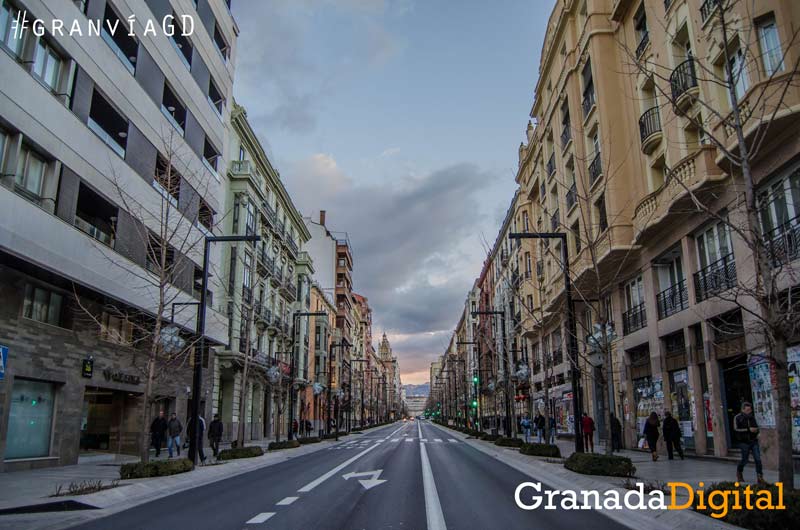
[[371, 482]]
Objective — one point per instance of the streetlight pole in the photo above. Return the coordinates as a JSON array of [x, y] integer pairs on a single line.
[[296, 346], [341, 344], [572, 336], [197, 379], [361, 423]]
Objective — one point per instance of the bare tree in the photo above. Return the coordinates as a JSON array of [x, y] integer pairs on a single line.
[[741, 124]]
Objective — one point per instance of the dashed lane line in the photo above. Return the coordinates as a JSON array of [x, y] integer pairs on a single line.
[[287, 501], [261, 518]]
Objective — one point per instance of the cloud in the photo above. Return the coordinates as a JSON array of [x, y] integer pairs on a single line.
[[415, 243], [391, 151]]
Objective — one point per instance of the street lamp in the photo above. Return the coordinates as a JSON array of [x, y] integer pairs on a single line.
[[295, 317], [571, 326], [197, 380], [341, 344], [502, 315]]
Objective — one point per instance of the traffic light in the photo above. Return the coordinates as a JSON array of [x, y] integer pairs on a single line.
[[475, 377], [474, 403]]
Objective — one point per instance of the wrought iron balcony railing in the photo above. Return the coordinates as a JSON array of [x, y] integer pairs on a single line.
[[634, 319], [673, 299], [715, 278]]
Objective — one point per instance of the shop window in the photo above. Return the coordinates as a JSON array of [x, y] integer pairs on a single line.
[[30, 419], [95, 216], [116, 329], [125, 47], [44, 306], [108, 124]]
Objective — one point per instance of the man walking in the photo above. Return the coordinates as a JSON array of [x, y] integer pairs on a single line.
[[525, 423], [672, 435], [587, 425], [157, 431], [174, 430], [616, 434], [538, 424], [215, 434], [746, 429]]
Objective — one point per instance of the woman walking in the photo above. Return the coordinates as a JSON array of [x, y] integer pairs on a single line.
[[651, 434]]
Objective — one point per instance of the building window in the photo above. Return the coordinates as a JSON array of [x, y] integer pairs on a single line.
[[221, 43], [30, 419], [217, 100], [738, 70], [600, 209], [3, 142], [47, 65], [43, 306], [770, 42], [13, 40], [167, 181], [576, 234], [30, 174], [210, 157], [205, 216], [155, 253], [125, 47], [116, 329], [173, 109], [713, 244], [250, 221], [95, 216], [108, 124], [182, 44]]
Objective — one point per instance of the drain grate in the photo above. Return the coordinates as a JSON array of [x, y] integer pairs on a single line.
[[59, 506]]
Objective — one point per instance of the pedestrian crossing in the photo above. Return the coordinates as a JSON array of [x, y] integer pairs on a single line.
[[400, 440]]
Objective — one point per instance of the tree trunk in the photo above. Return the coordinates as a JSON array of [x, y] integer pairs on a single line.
[[144, 446]]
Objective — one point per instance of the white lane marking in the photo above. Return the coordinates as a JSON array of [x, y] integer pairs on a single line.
[[433, 508], [453, 440], [397, 439], [260, 518], [437, 440], [316, 482], [287, 501], [423, 439], [409, 439]]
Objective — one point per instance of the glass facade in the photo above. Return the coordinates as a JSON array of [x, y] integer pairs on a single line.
[[30, 419]]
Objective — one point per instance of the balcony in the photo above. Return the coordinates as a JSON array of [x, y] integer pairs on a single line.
[[642, 46], [595, 168], [572, 196], [650, 130], [588, 102], [715, 278], [292, 246], [289, 289], [683, 83], [673, 299], [269, 214], [707, 9], [280, 228], [551, 165], [634, 319], [696, 174], [243, 169], [277, 276], [555, 221], [783, 243], [247, 294]]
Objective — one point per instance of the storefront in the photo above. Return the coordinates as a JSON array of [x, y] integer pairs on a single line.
[[109, 421], [30, 419]]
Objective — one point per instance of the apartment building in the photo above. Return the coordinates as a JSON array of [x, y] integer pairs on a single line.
[[618, 157], [267, 283], [97, 135], [315, 401]]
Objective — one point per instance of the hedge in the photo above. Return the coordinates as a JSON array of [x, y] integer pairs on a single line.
[[551, 451], [757, 519], [508, 442], [240, 452], [332, 435], [489, 437], [286, 444], [159, 468], [597, 464], [309, 440]]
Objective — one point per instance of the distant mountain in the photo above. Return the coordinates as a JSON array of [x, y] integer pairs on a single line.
[[418, 390]]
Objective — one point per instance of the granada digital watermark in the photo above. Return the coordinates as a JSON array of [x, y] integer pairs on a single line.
[[532, 496], [168, 26]]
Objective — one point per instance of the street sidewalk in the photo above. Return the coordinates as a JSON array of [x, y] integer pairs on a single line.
[[29, 488]]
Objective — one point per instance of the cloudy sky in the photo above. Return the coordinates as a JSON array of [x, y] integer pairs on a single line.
[[402, 119]]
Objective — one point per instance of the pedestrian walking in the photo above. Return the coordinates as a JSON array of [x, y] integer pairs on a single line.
[[616, 434], [538, 424], [525, 423], [174, 430], [651, 434], [587, 426], [672, 435], [199, 423], [158, 429], [215, 434], [746, 429], [552, 430]]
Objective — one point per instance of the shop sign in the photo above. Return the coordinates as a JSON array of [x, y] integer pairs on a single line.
[[121, 377], [87, 368], [3, 361]]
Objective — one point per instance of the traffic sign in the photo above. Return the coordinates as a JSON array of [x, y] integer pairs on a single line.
[[3, 361]]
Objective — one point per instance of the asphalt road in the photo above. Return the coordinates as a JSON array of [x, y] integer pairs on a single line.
[[412, 476]]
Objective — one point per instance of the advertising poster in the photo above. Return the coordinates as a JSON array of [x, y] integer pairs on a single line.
[[761, 382]]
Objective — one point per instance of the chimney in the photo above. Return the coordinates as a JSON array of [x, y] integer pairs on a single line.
[[322, 217]]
